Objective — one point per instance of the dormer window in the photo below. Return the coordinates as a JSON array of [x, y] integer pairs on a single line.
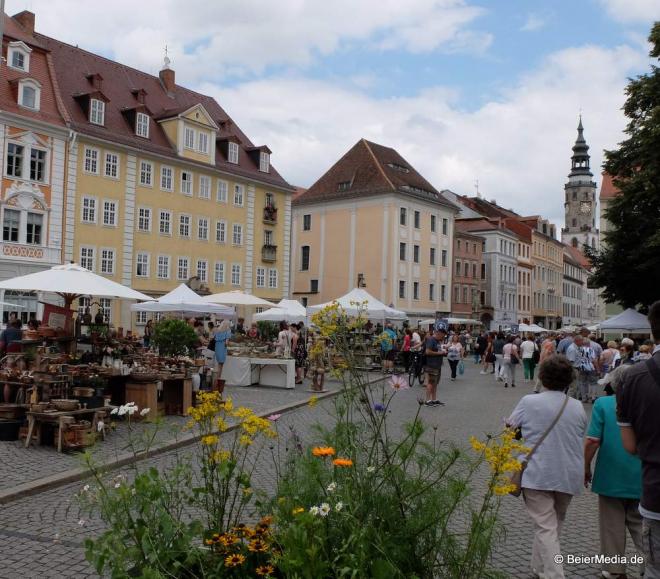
[[142, 125], [189, 138], [29, 93], [203, 142], [18, 56], [264, 162], [232, 155], [97, 112]]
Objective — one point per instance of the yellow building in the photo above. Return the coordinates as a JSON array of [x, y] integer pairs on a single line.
[[373, 221], [163, 187]]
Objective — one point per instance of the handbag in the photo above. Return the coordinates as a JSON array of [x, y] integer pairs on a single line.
[[461, 367], [536, 355], [516, 478]]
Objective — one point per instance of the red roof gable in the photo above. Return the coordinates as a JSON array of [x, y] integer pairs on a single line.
[[577, 256], [607, 188]]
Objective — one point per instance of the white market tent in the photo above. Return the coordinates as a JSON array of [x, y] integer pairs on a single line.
[[237, 298], [460, 321], [358, 300], [291, 311], [630, 321], [185, 301], [531, 328]]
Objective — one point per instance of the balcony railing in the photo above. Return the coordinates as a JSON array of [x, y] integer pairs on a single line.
[[270, 214], [269, 253]]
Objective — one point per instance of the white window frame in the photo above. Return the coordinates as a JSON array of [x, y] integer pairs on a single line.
[[115, 165], [146, 174], [264, 162], [36, 87], [22, 49], [189, 138], [260, 277], [239, 195], [205, 187], [97, 112], [232, 153], [105, 307], [219, 273], [188, 191], [94, 209], [200, 221], [87, 156], [104, 260], [144, 214], [142, 125], [236, 269], [146, 263], [83, 260], [202, 270], [222, 191], [163, 261], [189, 218], [113, 211], [141, 318], [307, 219], [203, 142], [221, 228], [237, 232], [167, 212], [273, 278], [167, 174], [179, 261]]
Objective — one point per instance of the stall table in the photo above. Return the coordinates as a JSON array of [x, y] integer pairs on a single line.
[[243, 371]]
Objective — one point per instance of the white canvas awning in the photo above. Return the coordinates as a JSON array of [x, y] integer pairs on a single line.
[[630, 321], [359, 300], [290, 311], [237, 298], [185, 301]]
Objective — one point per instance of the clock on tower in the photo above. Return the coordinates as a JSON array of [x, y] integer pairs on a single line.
[[585, 207]]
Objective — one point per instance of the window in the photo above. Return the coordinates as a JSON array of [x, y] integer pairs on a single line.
[[415, 290], [416, 253], [457, 294], [11, 225], [91, 161], [182, 268], [403, 216], [237, 234], [203, 270], [142, 265], [89, 210], [474, 270], [203, 229], [264, 162], [304, 258], [268, 237], [96, 112], [34, 228], [270, 200], [111, 165], [466, 269], [219, 273], [105, 307], [186, 182], [402, 289], [87, 258], [17, 59], [432, 256], [445, 226], [443, 293], [29, 94], [431, 292], [203, 142], [142, 125], [458, 267], [272, 278], [307, 222], [221, 231], [140, 318], [166, 181], [144, 219], [432, 223], [458, 245], [443, 258], [222, 191], [184, 226], [15, 160], [235, 274], [314, 286], [238, 195], [344, 186], [416, 219], [232, 153], [204, 187], [108, 261], [163, 267], [261, 277], [146, 170], [402, 251], [165, 222], [37, 165], [189, 138], [110, 213], [465, 295]]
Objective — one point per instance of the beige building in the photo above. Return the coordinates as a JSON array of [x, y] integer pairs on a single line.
[[373, 221]]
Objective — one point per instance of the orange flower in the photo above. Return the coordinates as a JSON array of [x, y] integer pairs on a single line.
[[265, 570], [234, 560], [342, 462], [323, 451], [257, 546]]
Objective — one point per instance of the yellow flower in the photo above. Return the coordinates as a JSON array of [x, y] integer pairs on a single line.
[[242, 413], [245, 440], [298, 510], [323, 451], [312, 401], [221, 424], [342, 462], [234, 560], [257, 546], [219, 456], [265, 570], [210, 439], [228, 539]]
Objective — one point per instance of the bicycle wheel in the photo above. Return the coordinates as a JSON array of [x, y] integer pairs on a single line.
[[412, 374]]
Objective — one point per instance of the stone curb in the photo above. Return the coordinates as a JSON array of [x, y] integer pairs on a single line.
[[77, 474]]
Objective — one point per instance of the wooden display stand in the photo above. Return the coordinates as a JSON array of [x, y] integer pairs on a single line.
[[177, 396], [145, 395]]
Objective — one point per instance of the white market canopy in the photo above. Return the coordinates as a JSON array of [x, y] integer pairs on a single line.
[[291, 311], [185, 301], [237, 298], [627, 321], [531, 328], [71, 281], [460, 321], [358, 300]]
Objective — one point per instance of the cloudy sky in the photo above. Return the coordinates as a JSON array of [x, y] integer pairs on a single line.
[[466, 90]]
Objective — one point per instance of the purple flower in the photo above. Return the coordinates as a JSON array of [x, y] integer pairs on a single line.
[[379, 407]]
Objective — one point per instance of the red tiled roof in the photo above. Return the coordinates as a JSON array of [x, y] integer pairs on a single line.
[[483, 224], [607, 188], [120, 85], [299, 191], [577, 256], [523, 230], [486, 208], [369, 169]]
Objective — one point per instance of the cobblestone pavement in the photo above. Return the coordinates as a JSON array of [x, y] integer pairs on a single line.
[[40, 536]]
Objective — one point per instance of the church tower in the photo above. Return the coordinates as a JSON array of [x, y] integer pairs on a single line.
[[580, 203]]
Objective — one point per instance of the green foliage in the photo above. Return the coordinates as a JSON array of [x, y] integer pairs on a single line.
[[628, 266], [174, 337], [268, 330]]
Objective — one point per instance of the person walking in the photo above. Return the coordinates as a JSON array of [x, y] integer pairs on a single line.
[[617, 479], [510, 361], [148, 333], [609, 357], [435, 351], [300, 353], [388, 348], [638, 409], [498, 346], [405, 349], [582, 358], [528, 349], [454, 355], [221, 336], [555, 471], [548, 348]]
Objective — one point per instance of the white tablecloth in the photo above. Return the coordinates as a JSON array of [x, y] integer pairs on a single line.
[[240, 371]]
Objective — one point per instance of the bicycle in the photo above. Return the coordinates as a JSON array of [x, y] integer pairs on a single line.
[[416, 369]]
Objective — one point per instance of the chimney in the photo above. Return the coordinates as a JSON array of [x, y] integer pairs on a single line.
[[26, 20], [166, 76]]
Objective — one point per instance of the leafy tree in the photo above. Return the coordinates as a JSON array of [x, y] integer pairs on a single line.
[[174, 337], [628, 266]]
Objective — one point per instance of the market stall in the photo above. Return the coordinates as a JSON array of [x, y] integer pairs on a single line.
[[186, 302], [360, 301], [290, 311]]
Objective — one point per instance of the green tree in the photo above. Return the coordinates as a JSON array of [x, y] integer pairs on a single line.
[[628, 266], [174, 337]]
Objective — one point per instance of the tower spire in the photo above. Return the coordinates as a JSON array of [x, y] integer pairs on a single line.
[[580, 159]]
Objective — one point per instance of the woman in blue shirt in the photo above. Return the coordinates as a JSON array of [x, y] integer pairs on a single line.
[[221, 336]]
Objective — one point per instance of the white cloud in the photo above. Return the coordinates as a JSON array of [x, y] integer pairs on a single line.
[[533, 22], [208, 40], [633, 10], [518, 144]]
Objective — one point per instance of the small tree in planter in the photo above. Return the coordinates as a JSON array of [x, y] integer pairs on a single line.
[[174, 337]]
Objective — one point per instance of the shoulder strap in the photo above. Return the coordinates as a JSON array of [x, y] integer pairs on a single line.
[[653, 369], [552, 425]]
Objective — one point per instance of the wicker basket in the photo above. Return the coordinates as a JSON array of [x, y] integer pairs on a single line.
[[65, 405]]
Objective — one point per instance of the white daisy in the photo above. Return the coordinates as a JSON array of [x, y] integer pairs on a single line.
[[324, 509]]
